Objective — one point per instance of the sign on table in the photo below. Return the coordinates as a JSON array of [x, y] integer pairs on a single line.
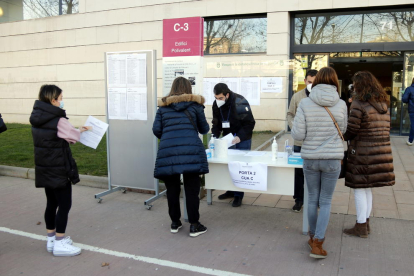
[[252, 176]]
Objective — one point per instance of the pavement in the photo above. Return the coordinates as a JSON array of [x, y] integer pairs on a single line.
[[388, 202], [250, 240], [262, 237]]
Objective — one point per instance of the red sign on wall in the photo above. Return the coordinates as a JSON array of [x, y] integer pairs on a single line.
[[183, 37]]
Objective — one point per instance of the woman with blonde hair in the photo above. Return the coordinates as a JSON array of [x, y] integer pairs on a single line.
[[319, 122], [370, 162], [179, 119]]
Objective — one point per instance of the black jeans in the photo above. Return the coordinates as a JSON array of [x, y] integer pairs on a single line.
[[192, 190], [299, 180], [60, 200]]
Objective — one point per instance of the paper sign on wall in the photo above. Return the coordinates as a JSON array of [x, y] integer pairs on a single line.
[[252, 176]]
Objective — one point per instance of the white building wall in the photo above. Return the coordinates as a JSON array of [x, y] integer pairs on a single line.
[[69, 50]]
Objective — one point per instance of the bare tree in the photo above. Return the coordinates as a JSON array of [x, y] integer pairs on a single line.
[[235, 34], [46, 8]]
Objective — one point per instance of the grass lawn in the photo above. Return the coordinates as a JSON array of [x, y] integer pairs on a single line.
[[16, 149]]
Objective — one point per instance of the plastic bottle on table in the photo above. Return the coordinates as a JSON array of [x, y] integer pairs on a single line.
[[274, 149], [211, 145]]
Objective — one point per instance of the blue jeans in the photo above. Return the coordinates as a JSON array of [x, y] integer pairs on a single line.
[[411, 137], [321, 177], [244, 145]]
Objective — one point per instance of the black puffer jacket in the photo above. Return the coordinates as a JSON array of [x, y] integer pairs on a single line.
[[55, 166], [180, 149], [241, 118]]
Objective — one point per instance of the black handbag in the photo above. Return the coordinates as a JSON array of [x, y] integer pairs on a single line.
[[71, 167], [344, 161], [3, 126]]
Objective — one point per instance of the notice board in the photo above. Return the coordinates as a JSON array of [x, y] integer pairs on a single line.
[[131, 105]]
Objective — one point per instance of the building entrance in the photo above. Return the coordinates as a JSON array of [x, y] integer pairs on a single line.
[[387, 67]]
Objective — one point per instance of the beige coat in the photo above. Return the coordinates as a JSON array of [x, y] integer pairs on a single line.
[[293, 107]]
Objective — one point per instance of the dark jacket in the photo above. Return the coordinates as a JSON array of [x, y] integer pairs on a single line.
[[3, 126], [370, 162], [54, 165], [408, 98], [180, 149], [241, 118]]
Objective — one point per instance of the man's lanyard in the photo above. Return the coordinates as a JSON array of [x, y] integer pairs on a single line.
[[228, 115]]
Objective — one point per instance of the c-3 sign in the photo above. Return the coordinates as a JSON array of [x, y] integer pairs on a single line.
[[183, 37], [177, 27]]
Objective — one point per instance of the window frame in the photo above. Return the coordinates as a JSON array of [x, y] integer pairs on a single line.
[[231, 17], [348, 47]]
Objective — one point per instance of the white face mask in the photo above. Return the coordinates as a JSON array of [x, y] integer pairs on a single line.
[[220, 103], [62, 104], [309, 87]]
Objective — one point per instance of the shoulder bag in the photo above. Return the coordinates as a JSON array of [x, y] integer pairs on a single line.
[[344, 161], [191, 120]]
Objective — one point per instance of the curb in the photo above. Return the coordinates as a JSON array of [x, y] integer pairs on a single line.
[[27, 173]]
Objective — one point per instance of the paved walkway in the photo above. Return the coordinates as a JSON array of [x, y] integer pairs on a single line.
[[388, 202], [250, 240]]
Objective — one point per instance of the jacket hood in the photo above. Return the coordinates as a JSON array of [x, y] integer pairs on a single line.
[[44, 112], [381, 107], [324, 95], [181, 102]]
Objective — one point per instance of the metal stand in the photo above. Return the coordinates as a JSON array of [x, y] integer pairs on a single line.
[[209, 197], [305, 225], [110, 191], [154, 198], [185, 205]]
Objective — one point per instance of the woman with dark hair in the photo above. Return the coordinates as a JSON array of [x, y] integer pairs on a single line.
[[322, 150], [370, 162], [408, 98], [55, 168], [179, 119]]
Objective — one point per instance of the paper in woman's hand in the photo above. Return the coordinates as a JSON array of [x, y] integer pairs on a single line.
[[93, 137]]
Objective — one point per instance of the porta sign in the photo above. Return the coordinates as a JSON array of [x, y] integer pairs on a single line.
[[183, 37], [252, 176]]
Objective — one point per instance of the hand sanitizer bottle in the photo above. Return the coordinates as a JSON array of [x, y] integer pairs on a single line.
[[274, 149], [211, 145]]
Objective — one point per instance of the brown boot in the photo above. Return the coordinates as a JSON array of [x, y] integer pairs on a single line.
[[368, 228], [310, 241], [359, 230], [317, 251]]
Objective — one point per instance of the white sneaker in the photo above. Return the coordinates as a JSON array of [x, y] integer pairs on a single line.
[[62, 248], [408, 143], [51, 242]]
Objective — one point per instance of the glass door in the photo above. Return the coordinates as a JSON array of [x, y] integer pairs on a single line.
[[303, 63], [408, 78]]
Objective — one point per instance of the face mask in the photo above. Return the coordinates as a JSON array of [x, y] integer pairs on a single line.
[[309, 87], [61, 105], [220, 103]]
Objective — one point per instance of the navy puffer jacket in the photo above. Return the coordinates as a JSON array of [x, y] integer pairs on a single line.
[[180, 150]]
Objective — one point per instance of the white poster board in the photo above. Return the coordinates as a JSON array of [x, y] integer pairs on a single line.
[[272, 85], [131, 108], [252, 176], [249, 88], [187, 67], [127, 86]]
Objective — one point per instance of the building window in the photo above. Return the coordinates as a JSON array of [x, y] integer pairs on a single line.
[[355, 27], [17, 10], [235, 35]]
